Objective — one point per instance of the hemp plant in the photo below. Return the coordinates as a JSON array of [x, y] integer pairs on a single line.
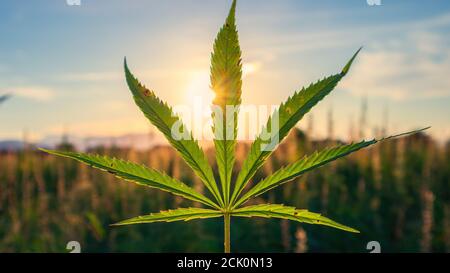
[[227, 195]]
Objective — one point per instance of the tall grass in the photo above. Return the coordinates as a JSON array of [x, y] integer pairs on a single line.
[[397, 193]]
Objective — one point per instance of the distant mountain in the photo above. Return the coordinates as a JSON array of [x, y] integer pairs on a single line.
[[11, 145], [18, 145], [136, 141]]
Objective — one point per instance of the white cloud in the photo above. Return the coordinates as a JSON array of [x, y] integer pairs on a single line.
[[104, 127], [107, 76], [401, 74], [37, 93], [413, 65], [92, 76]]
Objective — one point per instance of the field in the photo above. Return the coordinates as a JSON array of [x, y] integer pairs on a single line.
[[397, 193]]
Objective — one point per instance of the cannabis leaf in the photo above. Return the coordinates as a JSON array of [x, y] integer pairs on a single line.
[[226, 82], [162, 116], [226, 74], [306, 164], [289, 213], [180, 214], [138, 174], [288, 115]]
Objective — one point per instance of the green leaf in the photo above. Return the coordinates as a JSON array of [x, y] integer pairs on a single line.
[[138, 174], [162, 116], [226, 82], [306, 164], [288, 115], [181, 214], [289, 213]]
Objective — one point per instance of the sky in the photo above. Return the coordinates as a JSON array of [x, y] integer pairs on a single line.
[[64, 63]]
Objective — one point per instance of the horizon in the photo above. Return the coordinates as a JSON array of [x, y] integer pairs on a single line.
[[152, 140]]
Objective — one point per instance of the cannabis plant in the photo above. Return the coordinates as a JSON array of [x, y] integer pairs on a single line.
[[227, 195]]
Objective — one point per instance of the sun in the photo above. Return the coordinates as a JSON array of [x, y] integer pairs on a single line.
[[199, 87], [196, 108], [198, 96]]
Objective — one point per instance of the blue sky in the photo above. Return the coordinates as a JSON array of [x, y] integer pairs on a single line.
[[64, 63]]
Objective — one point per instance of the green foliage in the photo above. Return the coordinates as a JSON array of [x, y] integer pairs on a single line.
[[289, 213], [288, 115], [182, 214], [138, 174], [226, 74], [162, 116], [306, 164], [226, 82]]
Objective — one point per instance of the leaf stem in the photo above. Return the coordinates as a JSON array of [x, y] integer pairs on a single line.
[[226, 224]]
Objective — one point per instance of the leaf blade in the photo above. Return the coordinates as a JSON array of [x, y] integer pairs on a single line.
[[226, 82], [288, 115], [138, 174], [162, 116], [181, 214], [308, 163], [289, 213]]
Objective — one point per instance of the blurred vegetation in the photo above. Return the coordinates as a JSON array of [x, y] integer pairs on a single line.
[[397, 193]]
